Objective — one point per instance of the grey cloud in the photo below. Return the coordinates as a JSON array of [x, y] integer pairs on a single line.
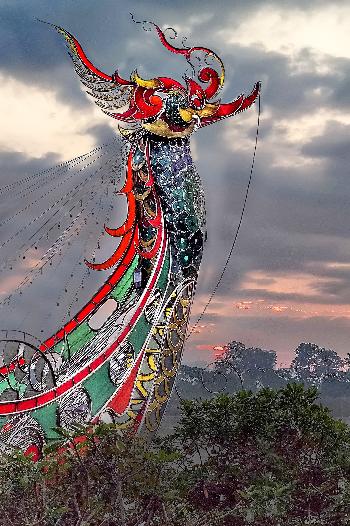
[[333, 144], [103, 133], [323, 298]]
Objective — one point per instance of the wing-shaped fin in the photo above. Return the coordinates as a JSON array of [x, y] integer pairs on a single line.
[[110, 92]]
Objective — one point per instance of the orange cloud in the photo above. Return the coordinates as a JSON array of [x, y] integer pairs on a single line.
[[244, 305]]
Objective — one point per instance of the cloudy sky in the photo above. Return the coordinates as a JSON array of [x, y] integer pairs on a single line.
[[289, 277]]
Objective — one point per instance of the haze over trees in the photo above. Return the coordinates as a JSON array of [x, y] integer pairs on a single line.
[[241, 367]]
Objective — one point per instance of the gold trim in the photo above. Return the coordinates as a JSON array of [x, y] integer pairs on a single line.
[[160, 127], [145, 83]]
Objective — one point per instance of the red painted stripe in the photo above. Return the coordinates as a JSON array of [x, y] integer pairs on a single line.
[[50, 342], [6, 369], [122, 398], [26, 405], [70, 326], [60, 390], [97, 362], [85, 311], [85, 60], [42, 399], [60, 335], [102, 293], [7, 408], [81, 375]]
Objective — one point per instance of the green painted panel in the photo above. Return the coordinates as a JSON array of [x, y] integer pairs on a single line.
[[47, 418], [139, 333], [3, 386], [76, 340], [60, 347], [79, 337], [120, 290], [99, 387], [82, 334], [163, 278]]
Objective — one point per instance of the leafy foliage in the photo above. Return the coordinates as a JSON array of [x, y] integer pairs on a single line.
[[267, 458]]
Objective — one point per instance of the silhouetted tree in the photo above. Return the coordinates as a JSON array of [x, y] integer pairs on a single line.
[[313, 365], [248, 367]]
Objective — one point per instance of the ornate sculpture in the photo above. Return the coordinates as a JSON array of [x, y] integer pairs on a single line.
[[122, 369]]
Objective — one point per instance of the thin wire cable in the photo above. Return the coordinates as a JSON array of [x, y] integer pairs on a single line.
[[101, 207], [237, 229], [5, 221], [48, 171], [62, 239], [58, 167], [61, 302], [80, 286], [50, 253], [60, 217], [48, 178], [68, 193], [68, 314]]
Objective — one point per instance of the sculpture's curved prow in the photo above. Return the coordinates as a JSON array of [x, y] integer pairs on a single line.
[[117, 358]]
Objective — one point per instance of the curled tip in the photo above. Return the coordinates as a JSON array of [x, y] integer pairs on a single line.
[[93, 266], [148, 84], [107, 229], [88, 263], [143, 22]]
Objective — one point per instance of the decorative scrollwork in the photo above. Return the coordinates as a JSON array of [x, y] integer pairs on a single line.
[[171, 345], [121, 362], [22, 432], [74, 408], [24, 368]]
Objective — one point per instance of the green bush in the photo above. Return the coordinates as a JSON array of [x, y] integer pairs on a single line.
[[268, 458]]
